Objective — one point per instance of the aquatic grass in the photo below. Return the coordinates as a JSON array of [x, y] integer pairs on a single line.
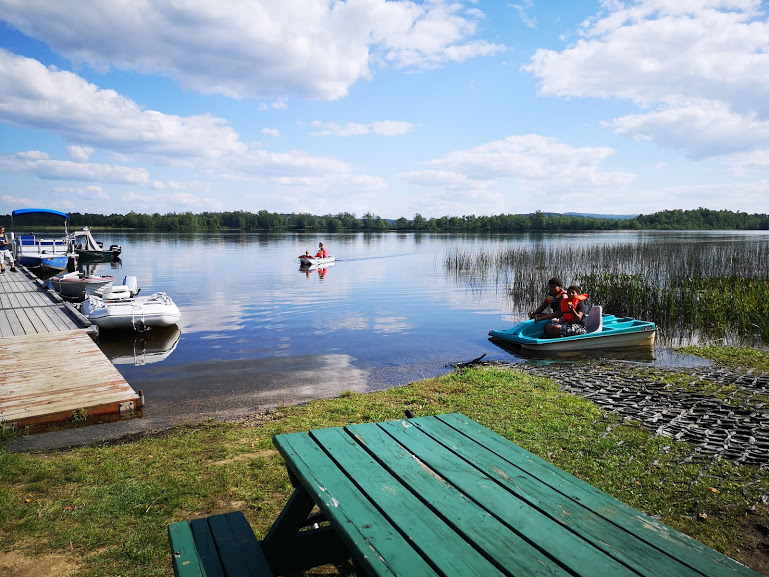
[[694, 292]]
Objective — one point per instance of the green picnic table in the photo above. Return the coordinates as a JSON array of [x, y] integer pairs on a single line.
[[443, 495]]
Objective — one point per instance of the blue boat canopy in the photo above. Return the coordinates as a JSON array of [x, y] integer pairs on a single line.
[[64, 215]]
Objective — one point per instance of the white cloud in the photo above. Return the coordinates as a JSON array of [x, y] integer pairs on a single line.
[[9, 200], [271, 131], [519, 170], [92, 192], [278, 104], [522, 9], [242, 48], [381, 128], [45, 168], [33, 96], [741, 164], [693, 68], [80, 153]]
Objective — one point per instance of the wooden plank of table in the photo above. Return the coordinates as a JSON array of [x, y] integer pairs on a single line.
[[537, 479], [516, 537], [449, 552], [370, 537]]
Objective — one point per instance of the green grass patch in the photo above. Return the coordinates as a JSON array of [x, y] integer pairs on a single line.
[[739, 357], [108, 507]]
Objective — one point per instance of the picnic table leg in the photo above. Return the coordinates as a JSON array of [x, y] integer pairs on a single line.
[[287, 549]]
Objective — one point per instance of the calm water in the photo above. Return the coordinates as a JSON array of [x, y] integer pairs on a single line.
[[257, 331]]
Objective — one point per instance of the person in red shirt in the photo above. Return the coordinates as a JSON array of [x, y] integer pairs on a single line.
[[322, 252]]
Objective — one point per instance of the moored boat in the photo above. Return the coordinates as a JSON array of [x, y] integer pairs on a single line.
[[90, 250], [121, 308], [604, 331], [79, 285], [305, 260], [43, 256]]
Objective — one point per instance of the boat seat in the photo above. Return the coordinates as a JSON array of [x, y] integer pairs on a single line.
[[594, 322], [117, 293]]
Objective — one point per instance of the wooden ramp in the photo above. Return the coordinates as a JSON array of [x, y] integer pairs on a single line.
[[50, 377], [50, 368]]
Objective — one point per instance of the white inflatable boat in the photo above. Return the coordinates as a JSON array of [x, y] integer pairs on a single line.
[[118, 307]]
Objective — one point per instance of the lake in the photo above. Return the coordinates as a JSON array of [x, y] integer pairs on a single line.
[[257, 331]]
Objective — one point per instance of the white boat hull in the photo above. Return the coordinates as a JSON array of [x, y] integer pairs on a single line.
[[313, 260], [77, 285], [135, 313], [639, 339]]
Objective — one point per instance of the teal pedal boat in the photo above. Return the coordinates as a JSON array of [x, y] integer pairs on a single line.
[[604, 331]]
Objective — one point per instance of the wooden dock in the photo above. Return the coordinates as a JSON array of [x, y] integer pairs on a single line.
[[51, 370]]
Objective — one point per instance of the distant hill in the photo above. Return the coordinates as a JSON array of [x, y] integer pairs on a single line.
[[609, 216]]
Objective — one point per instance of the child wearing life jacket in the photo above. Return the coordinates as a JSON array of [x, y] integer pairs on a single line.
[[553, 298], [571, 319]]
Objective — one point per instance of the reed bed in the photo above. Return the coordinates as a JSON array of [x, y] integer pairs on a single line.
[[691, 290]]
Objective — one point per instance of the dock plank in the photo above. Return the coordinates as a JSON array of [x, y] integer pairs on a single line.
[[30, 308], [27, 323], [16, 327], [5, 325], [43, 324]]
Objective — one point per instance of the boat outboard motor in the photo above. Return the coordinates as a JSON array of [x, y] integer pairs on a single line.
[[132, 284]]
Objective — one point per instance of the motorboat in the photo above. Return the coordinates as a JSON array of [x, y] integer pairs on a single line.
[[305, 260], [90, 250], [603, 331], [120, 307], [43, 256], [79, 285]]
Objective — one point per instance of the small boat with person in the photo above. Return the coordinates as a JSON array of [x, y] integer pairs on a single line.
[[120, 307], [603, 331], [308, 261]]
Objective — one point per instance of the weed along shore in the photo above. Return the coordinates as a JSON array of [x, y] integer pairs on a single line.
[[104, 510]]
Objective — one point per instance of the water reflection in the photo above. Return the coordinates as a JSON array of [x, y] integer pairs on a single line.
[[321, 270], [151, 346]]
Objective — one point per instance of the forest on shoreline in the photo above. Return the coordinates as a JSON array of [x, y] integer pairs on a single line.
[[265, 221]]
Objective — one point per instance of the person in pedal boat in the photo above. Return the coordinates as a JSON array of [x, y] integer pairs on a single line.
[[322, 252], [572, 313], [553, 298]]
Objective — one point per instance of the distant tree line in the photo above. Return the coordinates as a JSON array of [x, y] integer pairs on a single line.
[[699, 219]]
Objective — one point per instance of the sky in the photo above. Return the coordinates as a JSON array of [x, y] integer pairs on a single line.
[[397, 108]]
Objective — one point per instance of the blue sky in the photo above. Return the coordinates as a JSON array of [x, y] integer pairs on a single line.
[[394, 108]]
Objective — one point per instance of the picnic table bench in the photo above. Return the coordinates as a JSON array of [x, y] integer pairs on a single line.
[[443, 495]]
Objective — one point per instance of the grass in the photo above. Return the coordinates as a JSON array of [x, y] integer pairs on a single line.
[[106, 508], [740, 357]]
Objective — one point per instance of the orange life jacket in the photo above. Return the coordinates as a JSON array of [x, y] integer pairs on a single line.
[[550, 298], [566, 315]]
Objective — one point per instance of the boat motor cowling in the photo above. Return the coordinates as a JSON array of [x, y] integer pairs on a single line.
[[132, 284]]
